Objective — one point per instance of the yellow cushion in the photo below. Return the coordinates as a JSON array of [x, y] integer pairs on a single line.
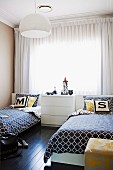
[[103, 146], [31, 101], [99, 154], [89, 105]]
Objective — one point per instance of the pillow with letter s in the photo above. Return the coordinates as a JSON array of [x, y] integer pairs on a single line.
[[101, 106]]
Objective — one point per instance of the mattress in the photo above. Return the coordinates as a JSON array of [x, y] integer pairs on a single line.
[[73, 135]]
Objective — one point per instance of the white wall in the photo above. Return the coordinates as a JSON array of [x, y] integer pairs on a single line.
[[6, 64]]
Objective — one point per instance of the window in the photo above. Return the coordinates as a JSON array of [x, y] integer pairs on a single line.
[[79, 62]]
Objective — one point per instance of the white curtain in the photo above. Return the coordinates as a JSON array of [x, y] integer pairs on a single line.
[[22, 57], [107, 56], [81, 50]]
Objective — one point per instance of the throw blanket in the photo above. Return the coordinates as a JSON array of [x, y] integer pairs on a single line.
[[73, 135], [35, 110]]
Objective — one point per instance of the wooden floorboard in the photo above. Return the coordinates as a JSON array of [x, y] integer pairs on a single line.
[[32, 158]]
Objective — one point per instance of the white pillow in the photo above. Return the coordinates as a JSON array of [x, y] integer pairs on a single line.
[[101, 106], [21, 102]]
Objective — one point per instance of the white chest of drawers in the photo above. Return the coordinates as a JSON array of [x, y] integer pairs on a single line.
[[56, 108]]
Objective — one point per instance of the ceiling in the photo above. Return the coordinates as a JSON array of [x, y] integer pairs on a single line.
[[12, 11]]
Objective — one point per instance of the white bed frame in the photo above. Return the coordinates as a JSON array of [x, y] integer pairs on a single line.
[[68, 158]]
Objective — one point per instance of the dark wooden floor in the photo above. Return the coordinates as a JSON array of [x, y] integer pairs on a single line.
[[32, 158]]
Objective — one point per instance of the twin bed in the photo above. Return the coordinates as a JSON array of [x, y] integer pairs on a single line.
[[17, 120], [68, 144]]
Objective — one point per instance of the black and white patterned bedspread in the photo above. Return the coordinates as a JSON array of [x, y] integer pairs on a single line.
[[73, 135], [18, 121]]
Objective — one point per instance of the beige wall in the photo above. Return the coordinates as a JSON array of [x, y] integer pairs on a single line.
[[6, 64]]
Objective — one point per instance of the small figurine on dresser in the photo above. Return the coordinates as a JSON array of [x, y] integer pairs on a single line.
[[52, 93], [65, 87]]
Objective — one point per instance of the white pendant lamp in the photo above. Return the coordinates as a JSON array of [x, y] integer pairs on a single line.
[[35, 26]]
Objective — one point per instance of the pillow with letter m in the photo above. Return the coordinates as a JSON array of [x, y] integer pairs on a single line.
[[20, 102], [27, 96]]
